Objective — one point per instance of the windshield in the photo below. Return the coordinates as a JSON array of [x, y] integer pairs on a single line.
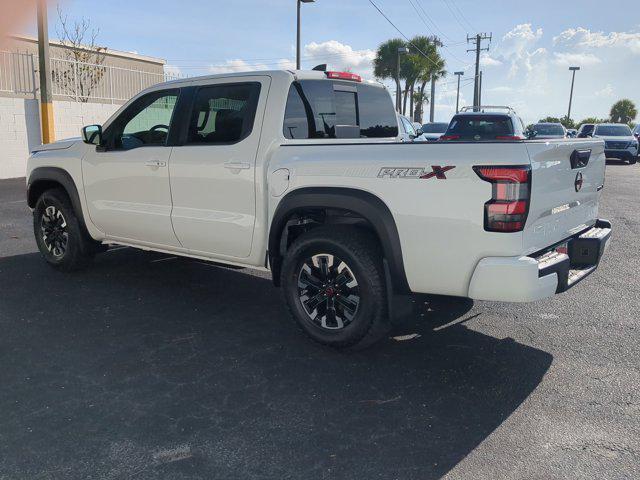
[[548, 129], [435, 127], [613, 130], [480, 127]]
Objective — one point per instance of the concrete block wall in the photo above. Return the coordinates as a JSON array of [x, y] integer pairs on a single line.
[[20, 127]]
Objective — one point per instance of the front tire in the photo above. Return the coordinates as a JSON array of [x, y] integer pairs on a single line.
[[61, 240], [334, 286]]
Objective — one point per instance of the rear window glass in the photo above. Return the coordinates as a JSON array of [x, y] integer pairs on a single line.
[[613, 130], [325, 109], [543, 129], [435, 127], [480, 127]]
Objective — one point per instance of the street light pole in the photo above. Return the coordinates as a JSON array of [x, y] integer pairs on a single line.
[[401, 51], [458, 74], [298, 3], [573, 80]]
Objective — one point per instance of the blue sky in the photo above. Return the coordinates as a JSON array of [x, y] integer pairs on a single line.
[[533, 42]]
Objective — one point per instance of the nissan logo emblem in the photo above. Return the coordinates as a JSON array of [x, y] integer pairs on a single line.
[[579, 181]]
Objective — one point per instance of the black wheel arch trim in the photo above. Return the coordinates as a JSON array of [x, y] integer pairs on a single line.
[[362, 203], [61, 177]]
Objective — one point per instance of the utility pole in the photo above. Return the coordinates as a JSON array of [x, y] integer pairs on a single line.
[[46, 98], [477, 40], [480, 89], [573, 80], [458, 74], [299, 2]]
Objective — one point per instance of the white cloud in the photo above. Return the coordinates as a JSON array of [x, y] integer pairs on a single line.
[[582, 59], [534, 79], [606, 92], [341, 57], [337, 55], [487, 61], [586, 39], [239, 65]]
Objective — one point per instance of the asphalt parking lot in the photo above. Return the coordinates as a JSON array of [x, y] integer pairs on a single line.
[[151, 367]]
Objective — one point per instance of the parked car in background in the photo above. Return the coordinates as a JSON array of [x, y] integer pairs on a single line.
[[549, 130], [485, 124], [407, 131], [619, 141], [586, 130], [572, 132], [636, 132], [432, 131]]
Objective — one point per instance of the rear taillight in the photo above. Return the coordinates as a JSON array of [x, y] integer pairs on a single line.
[[509, 137], [445, 138], [509, 205]]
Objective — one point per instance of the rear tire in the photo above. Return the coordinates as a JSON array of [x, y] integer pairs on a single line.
[[334, 286], [61, 239], [633, 160]]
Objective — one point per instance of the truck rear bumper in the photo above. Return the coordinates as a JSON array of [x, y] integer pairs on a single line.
[[554, 270]]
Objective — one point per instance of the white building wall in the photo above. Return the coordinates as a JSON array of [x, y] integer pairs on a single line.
[[20, 127]]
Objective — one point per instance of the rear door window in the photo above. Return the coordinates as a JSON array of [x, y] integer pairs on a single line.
[[319, 109], [223, 114]]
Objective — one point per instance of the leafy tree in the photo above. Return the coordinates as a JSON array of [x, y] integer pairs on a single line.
[[549, 120], [623, 111], [385, 65], [422, 70], [415, 69], [568, 122], [592, 120]]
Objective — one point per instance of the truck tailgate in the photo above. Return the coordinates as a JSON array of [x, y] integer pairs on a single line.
[[567, 177]]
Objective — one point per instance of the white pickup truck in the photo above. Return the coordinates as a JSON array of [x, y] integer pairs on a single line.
[[302, 173]]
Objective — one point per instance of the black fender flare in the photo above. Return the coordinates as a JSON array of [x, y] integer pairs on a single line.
[[50, 175], [362, 203]]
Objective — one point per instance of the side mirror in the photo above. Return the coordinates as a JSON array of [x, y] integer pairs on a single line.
[[419, 132], [531, 134], [92, 134]]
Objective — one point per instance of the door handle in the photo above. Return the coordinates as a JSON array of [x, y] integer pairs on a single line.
[[155, 163], [237, 166]]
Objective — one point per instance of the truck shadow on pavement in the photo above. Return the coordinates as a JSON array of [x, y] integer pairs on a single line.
[[149, 367]]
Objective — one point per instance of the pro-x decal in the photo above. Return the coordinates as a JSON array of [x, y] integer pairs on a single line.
[[416, 172]]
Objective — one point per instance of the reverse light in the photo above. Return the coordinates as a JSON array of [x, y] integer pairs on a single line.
[[352, 77], [509, 205]]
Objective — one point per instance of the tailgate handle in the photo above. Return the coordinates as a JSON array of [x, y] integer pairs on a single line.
[[580, 158]]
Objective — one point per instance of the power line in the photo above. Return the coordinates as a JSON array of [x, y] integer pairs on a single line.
[[455, 16], [428, 17], [401, 33], [462, 15]]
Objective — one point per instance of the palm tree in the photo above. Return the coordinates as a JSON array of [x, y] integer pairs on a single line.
[[623, 111], [385, 65], [414, 67]]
